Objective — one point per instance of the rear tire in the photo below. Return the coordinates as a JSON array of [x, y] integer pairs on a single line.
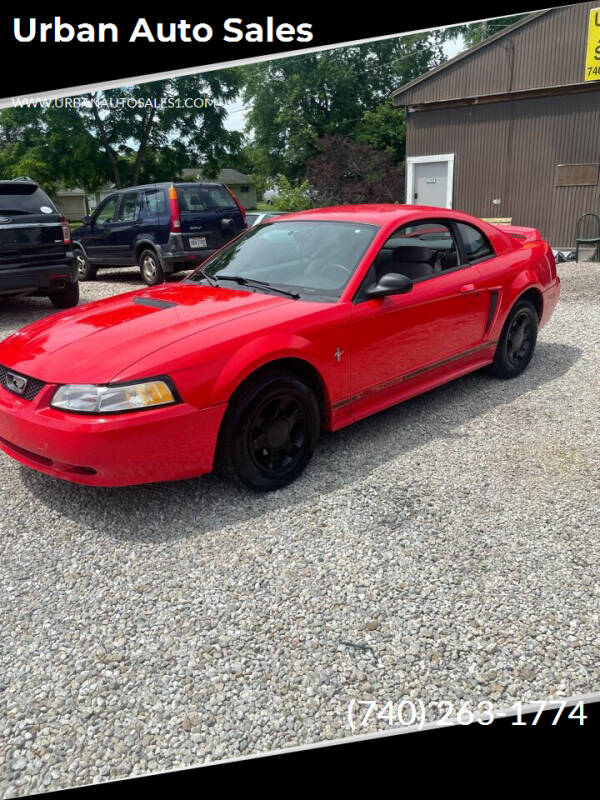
[[517, 341], [151, 268], [270, 431], [85, 270], [67, 297]]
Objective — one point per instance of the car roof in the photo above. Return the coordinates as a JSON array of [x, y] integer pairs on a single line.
[[165, 183], [19, 181], [390, 215], [376, 213]]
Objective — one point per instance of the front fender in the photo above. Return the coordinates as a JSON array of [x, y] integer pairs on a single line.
[[257, 353]]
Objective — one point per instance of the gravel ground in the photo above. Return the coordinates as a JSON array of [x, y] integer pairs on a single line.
[[445, 549]]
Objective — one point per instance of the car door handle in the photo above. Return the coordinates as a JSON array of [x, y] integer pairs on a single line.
[[467, 287]]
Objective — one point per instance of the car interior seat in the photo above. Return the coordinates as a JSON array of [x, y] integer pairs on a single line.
[[196, 201], [414, 262]]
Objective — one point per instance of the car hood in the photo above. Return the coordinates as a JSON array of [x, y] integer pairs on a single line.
[[95, 342]]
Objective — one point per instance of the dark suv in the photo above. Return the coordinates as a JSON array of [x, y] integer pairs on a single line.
[[36, 256], [162, 228]]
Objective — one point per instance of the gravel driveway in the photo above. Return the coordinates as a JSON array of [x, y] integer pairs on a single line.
[[446, 549]]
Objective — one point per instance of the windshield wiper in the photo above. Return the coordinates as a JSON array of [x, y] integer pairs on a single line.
[[207, 277], [259, 284]]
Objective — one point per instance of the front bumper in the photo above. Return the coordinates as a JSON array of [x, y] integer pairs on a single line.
[[45, 277], [158, 444]]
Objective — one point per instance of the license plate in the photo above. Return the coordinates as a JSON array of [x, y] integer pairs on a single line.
[[200, 241]]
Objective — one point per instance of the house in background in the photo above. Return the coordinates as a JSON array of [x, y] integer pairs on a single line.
[[509, 129], [76, 203], [72, 203], [241, 185]]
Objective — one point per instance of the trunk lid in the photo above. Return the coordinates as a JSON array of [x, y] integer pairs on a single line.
[[522, 234]]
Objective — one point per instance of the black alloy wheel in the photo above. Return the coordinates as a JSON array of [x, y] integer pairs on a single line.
[[276, 434], [517, 341], [270, 430]]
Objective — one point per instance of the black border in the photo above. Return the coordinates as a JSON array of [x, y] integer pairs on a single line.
[[50, 67]]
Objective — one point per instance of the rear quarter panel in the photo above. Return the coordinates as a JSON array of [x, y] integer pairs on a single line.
[[514, 273]]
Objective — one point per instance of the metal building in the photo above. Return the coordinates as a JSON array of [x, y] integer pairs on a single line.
[[510, 129]]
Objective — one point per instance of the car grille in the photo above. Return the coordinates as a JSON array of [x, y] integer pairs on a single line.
[[31, 390]]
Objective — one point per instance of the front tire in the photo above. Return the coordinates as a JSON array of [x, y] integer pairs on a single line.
[[151, 268], [517, 341], [270, 431], [67, 297]]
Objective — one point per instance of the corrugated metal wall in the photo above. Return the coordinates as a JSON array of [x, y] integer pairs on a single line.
[[549, 51], [509, 151]]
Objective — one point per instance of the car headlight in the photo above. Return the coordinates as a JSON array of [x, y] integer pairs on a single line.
[[90, 399]]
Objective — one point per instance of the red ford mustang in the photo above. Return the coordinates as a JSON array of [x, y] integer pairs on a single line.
[[298, 325]]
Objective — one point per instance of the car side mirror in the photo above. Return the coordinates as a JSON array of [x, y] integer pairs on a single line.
[[390, 283], [87, 220]]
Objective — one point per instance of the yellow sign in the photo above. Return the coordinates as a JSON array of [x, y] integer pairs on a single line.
[[592, 58]]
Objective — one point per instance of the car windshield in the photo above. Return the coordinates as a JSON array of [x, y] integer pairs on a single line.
[[314, 259]]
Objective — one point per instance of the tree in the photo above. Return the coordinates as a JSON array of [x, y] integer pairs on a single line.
[[166, 125], [52, 146], [292, 198], [384, 129], [344, 171], [128, 136], [297, 101], [478, 31], [252, 161]]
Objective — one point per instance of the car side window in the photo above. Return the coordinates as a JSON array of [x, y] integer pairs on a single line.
[[106, 211], [129, 208], [154, 202], [475, 243], [420, 251]]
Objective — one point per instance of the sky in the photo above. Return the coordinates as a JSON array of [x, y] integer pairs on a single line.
[[236, 113]]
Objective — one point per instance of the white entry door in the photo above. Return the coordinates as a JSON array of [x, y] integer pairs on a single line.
[[429, 180]]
